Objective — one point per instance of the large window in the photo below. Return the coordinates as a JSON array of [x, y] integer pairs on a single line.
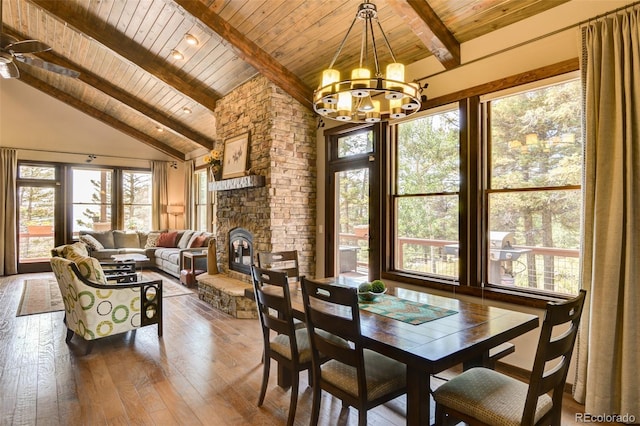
[[200, 192], [110, 198], [427, 194], [533, 192], [489, 193]]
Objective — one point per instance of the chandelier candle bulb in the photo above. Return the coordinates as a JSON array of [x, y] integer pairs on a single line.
[[395, 109], [360, 80], [395, 75], [329, 77], [373, 116], [344, 106]]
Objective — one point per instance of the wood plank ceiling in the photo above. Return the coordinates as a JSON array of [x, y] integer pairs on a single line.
[[130, 80]]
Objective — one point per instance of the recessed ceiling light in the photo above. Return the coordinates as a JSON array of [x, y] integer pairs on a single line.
[[186, 110], [191, 39], [177, 55], [159, 129]]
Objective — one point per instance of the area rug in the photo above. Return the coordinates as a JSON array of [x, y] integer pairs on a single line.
[[405, 310], [42, 295]]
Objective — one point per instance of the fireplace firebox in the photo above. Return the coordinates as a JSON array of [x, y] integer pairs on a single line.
[[240, 250]]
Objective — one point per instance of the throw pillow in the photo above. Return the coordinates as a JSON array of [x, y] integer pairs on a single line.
[[89, 267], [167, 239], [152, 240], [184, 240], [198, 241], [91, 242], [79, 248], [195, 235]]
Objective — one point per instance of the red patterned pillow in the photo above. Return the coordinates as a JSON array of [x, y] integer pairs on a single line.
[[167, 239], [198, 241]]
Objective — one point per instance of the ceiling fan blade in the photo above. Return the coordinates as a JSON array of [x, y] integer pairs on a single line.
[[27, 46], [6, 39], [9, 70], [37, 62]]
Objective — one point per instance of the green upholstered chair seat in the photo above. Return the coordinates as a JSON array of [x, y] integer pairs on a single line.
[[281, 345], [384, 375], [489, 397]]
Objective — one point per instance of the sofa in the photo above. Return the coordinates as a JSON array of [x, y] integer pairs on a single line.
[[163, 248]]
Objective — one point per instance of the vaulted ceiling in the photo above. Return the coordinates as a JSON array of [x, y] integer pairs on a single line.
[[130, 80]]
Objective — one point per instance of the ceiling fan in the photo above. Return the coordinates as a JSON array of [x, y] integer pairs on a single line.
[[12, 50]]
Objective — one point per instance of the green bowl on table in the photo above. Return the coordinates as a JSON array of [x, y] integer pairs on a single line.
[[369, 296]]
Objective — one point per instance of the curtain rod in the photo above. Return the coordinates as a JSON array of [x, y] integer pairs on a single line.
[[87, 154], [568, 27]]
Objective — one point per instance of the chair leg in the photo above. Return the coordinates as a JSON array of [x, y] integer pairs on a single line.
[[294, 399], [315, 408], [362, 417], [265, 379], [69, 335]]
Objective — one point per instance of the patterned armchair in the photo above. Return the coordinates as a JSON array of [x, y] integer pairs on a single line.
[[95, 309]]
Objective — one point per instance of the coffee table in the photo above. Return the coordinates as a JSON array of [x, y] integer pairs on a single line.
[[131, 257]]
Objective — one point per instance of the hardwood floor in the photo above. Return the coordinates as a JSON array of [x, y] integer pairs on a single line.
[[205, 370]]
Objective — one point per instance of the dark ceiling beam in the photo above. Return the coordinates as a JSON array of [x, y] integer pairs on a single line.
[[108, 89], [430, 30], [112, 39], [36, 83], [251, 53]]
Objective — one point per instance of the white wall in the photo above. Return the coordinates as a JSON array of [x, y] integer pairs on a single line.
[[528, 50], [43, 128]]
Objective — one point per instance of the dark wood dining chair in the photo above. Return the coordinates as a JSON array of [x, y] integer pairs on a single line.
[[284, 261], [290, 347], [360, 377], [481, 396]]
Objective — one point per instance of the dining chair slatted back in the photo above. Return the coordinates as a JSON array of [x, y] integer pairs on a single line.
[[361, 378], [563, 318], [290, 347], [284, 261], [483, 396]]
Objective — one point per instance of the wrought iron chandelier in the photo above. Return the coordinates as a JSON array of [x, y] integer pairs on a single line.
[[365, 98]]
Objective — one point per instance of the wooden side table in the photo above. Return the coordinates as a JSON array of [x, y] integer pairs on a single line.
[[189, 262]]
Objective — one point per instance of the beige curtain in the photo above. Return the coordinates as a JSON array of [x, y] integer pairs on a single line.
[[8, 201], [189, 169], [160, 194], [609, 344]]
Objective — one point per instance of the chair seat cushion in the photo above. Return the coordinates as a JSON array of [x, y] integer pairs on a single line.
[[384, 375], [490, 397], [280, 344]]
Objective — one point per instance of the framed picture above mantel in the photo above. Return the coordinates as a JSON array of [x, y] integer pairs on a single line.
[[236, 156]]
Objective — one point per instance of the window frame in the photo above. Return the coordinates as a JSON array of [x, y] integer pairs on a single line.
[[473, 234], [117, 206]]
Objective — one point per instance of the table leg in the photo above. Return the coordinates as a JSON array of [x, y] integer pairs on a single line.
[[418, 394], [284, 377]]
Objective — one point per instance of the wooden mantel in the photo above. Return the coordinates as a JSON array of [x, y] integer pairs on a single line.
[[251, 181]]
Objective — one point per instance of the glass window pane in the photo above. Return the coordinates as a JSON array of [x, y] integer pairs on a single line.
[[427, 235], [136, 187], [36, 206], [137, 217], [536, 138], [92, 189], [536, 239], [36, 172], [356, 143], [429, 154]]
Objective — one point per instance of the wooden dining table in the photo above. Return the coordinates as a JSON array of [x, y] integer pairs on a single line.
[[464, 337]]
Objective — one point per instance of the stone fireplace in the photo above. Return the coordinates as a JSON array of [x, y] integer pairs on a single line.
[[279, 214]]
